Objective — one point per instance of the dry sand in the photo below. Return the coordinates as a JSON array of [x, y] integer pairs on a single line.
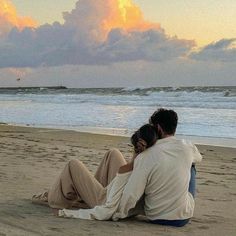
[[30, 159]]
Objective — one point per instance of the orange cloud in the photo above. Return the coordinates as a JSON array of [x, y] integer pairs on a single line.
[[95, 19], [10, 19], [126, 15]]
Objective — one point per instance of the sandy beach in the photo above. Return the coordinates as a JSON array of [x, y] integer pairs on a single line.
[[31, 158]]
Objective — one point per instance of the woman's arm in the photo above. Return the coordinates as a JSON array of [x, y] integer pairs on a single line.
[[126, 168], [129, 167]]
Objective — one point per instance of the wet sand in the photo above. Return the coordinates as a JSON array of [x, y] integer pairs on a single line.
[[31, 158]]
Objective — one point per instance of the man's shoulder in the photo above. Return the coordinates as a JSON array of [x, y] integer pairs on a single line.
[[182, 141], [189, 148], [172, 141], [175, 145]]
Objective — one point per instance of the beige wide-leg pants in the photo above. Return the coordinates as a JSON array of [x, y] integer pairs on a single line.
[[76, 184]]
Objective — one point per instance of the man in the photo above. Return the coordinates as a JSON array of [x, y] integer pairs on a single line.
[[162, 174]]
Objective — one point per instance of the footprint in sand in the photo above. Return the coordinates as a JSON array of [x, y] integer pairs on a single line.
[[203, 227], [208, 182], [55, 229]]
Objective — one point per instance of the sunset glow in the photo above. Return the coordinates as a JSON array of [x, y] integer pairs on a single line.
[[126, 15], [10, 19]]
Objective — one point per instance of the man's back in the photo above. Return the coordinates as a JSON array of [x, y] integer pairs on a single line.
[[162, 172], [166, 192]]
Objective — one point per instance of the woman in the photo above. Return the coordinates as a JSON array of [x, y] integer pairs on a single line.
[[101, 193]]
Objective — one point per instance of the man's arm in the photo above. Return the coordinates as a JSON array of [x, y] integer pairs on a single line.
[[197, 157]]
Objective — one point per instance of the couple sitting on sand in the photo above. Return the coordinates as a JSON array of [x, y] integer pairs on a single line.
[[159, 182]]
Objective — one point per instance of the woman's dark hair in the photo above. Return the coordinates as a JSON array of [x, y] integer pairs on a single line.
[[147, 133]]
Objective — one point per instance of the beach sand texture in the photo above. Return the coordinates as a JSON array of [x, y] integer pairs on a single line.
[[30, 160]]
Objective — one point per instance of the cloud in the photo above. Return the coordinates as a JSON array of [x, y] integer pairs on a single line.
[[9, 18], [95, 32], [223, 51], [150, 45], [96, 18]]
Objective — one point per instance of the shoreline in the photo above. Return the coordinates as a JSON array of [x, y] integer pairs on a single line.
[[198, 140]]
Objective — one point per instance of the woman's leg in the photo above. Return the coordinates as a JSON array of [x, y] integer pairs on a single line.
[[109, 166], [76, 183]]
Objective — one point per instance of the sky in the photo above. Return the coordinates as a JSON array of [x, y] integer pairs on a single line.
[[106, 43]]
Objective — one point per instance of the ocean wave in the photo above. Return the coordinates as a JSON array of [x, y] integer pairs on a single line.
[[194, 99], [226, 90], [203, 111]]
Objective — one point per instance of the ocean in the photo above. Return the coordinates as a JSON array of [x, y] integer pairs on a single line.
[[205, 113]]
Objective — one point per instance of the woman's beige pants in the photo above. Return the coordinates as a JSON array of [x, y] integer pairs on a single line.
[[76, 186]]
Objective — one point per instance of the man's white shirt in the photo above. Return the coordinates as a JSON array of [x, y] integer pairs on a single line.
[[162, 174]]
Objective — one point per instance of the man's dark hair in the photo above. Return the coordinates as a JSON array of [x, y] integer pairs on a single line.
[[167, 119], [147, 133]]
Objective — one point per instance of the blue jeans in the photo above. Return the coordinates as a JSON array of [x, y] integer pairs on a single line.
[[191, 189], [192, 182]]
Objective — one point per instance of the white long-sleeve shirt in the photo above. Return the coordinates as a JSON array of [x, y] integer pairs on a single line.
[[162, 174]]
